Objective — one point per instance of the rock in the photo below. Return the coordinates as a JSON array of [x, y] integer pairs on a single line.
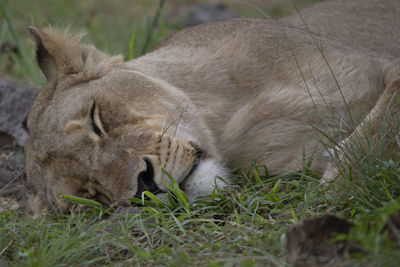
[[192, 15], [15, 102], [308, 243]]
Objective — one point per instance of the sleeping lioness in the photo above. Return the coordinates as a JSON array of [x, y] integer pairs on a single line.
[[209, 100]]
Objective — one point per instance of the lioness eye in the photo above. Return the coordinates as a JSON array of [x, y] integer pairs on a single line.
[[95, 120]]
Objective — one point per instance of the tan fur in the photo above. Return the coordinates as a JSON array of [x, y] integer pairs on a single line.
[[239, 89]]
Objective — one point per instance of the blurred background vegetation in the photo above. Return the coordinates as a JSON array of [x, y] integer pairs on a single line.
[[128, 27]]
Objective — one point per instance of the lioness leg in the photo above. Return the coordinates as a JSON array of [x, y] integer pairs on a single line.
[[380, 124]]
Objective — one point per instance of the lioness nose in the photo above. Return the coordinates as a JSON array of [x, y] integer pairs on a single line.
[[146, 180]]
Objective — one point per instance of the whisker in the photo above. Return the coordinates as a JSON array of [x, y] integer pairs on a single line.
[[165, 121], [172, 123], [179, 121]]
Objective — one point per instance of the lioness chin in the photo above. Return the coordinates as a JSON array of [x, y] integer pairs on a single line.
[[208, 100]]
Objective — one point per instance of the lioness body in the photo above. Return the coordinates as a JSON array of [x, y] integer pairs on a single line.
[[239, 90], [262, 87]]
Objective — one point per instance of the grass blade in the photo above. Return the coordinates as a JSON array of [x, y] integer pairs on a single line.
[[83, 201]]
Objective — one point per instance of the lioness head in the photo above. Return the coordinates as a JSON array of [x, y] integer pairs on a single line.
[[100, 130]]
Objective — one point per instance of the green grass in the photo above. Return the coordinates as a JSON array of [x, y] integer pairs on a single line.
[[242, 226], [245, 225]]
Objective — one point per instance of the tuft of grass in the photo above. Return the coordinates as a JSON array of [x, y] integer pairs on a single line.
[[21, 58], [244, 225]]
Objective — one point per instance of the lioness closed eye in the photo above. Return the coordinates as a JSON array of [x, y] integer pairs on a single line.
[[208, 100]]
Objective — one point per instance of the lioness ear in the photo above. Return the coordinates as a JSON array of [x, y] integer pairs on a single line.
[[56, 53], [43, 57], [60, 53]]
